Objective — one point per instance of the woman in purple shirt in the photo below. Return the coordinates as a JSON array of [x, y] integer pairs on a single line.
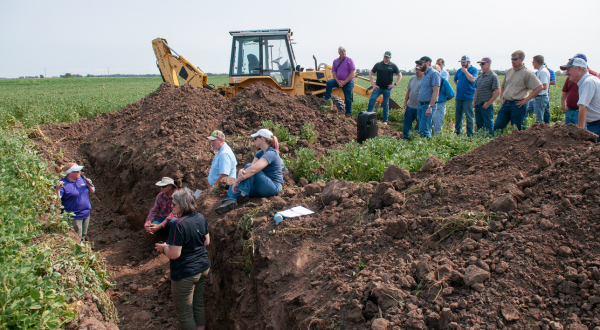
[[74, 195]]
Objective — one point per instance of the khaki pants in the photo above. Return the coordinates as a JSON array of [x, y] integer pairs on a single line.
[[188, 296], [81, 227]]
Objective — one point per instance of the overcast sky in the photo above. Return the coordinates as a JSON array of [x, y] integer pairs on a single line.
[[84, 37]]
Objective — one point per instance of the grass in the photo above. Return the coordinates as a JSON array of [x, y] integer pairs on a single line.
[[41, 267], [460, 222]]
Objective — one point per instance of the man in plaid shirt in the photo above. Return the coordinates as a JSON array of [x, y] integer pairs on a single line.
[[160, 214]]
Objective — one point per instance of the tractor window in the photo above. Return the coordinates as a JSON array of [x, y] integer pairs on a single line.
[[277, 62], [246, 56]]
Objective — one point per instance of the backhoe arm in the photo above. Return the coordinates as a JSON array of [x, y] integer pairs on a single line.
[[173, 65]]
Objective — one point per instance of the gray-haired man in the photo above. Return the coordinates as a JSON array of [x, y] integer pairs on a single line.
[[343, 77]]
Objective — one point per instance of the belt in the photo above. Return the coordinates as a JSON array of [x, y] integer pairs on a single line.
[[512, 101], [541, 95], [421, 103], [593, 122], [573, 109]]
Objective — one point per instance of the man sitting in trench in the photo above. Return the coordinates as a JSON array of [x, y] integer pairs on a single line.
[[161, 213], [224, 164]]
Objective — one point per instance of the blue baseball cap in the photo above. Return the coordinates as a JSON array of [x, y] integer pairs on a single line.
[[465, 58], [581, 56]]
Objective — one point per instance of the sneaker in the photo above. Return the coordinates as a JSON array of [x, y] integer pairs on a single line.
[[227, 206], [243, 199]]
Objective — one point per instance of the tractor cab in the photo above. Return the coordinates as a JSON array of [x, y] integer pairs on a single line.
[[262, 53]]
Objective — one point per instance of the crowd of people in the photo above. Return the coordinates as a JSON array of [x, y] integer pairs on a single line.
[[174, 212], [522, 93]]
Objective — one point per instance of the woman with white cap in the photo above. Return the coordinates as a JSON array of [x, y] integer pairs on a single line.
[[74, 195], [262, 178]]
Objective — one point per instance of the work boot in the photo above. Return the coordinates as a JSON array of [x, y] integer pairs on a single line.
[[227, 206]]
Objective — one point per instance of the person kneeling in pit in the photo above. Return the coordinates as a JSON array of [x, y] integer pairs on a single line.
[[262, 178], [160, 214]]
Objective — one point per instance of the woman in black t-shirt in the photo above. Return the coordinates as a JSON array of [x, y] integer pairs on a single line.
[[188, 239]]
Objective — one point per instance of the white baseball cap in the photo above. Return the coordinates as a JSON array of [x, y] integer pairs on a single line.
[[576, 61], [74, 168], [264, 133]]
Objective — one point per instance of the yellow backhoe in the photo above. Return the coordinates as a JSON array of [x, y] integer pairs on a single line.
[[257, 55]]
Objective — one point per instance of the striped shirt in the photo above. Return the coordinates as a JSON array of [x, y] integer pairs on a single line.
[[485, 85]]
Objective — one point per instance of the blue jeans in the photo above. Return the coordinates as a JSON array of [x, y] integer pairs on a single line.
[[438, 118], [541, 105], [464, 107], [572, 117], [386, 102], [594, 128], [165, 230], [347, 89], [425, 121], [258, 185], [410, 116], [509, 112], [484, 118]]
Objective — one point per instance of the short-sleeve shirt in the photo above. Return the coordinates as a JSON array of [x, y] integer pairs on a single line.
[[413, 95], [544, 76], [552, 74], [430, 78], [189, 232], [75, 197], [465, 90], [486, 83], [573, 92], [274, 170], [223, 163], [517, 84], [446, 91], [444, 74], [589, 96], [385, 73], [342, 71]]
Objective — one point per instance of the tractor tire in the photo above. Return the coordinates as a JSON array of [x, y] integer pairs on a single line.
[[339, 103]]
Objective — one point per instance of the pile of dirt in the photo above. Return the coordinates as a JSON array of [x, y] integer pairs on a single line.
[[164, 134], [505, 236]]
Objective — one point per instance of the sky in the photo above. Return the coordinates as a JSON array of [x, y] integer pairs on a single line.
[[93, 37]]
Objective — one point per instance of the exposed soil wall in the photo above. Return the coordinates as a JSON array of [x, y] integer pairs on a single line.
[[379, 255]]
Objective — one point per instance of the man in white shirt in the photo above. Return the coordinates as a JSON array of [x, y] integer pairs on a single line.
[[541, 103], [589, 94]]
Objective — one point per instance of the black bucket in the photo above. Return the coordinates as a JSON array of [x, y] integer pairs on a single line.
[[366, 126]]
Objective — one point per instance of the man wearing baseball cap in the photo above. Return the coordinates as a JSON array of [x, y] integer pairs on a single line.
[[74, 192], [465, 91], [429, 90], [513, 92], [385, 71], [224, 164], [487, 90], [161, 213], [570, 96], [589, 94]]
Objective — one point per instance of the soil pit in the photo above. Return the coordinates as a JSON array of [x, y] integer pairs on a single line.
[[424, 252]]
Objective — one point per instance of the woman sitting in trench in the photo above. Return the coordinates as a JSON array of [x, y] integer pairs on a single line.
[[262, 178]]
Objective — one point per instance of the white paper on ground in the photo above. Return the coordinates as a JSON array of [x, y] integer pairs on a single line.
[[197, 193], [296, 212]]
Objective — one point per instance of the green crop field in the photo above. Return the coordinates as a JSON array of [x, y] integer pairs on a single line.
[[41, 101]]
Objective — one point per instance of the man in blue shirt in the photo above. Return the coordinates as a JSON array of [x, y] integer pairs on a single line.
[[224, 163], [465, 91], [429, 90]]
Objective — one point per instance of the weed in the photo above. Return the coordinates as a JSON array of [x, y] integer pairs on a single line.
[[362, 265], [281, 132], [248, 245], [308, 133], [463, 220]]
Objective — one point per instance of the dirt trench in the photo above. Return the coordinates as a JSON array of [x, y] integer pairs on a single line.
[[505, 236]]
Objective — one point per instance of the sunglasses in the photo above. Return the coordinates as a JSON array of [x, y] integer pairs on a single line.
[[438, 63], [420, 63], [482, 64], [515, 58]]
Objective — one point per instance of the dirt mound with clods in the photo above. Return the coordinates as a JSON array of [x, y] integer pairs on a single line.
[[505, 236], [164, 134]]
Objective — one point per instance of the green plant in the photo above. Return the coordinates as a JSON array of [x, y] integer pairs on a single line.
[[304, 164], [41, 267], [308, 133], [362, 265], [245, 226], [281, 132]]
